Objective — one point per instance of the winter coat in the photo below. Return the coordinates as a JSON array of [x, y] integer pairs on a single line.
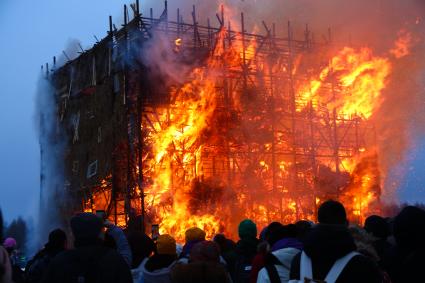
[[408, 254], [123, 247], [36, 267], [154, 269], [93, 262], [200, 272], [5, 266], [285, 257], [324, 245]]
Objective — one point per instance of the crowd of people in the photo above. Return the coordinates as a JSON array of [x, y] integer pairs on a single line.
[[331, 251]]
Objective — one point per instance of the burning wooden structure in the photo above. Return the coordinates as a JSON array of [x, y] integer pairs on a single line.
[[189, 124]]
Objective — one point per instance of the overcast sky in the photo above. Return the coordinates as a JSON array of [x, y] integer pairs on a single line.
[[32, 32]]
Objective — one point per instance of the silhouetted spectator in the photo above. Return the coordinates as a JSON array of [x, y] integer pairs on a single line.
[[405, 261], [285, 246], [90, 260], [157, 268], [246, 249], [204, 266], [193, 236], [330, 241], [379, 228], [37, 266], [10, 245]]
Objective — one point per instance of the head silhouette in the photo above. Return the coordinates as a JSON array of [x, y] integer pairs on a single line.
[[332, 212]]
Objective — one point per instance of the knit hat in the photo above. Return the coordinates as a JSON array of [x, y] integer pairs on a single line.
[[86, 226], [195, 234], [9, 243], [166, 245], [247, 229]]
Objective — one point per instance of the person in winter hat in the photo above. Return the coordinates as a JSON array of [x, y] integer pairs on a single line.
[[37, 267], [193, 236], [90, 260], [262, 249], [247, 229], [379, 229], [204, 266], [117, 240], [331, 240], [11, 245], [284, 247], [245, 251], [157, 268]]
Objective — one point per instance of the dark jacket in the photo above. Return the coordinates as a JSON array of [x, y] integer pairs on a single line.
[[94, 263], [245, 251], [407, 255], [37, 266], [327, 243], [200, 272]]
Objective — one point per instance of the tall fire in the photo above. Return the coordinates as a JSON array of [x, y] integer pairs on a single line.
[[188, 125]]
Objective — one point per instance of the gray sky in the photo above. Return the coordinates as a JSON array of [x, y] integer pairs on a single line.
[[32, 32]]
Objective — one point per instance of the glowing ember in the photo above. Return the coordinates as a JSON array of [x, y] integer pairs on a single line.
[[402, 45]]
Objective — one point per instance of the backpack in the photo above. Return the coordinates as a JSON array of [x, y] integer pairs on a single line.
[[86, 268], [271, 269], [306, 272], [36, 268], [242, 270]]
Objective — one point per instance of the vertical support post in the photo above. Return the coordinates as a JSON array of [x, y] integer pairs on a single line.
[[110, 25], [335, 124], [313, 155], [114, 193], [244, 65], [209, 34], [293, 120], [151, 15], [128, 104], [178, 22], [125, 15], [229, 36], [195, 26], [222, 14], [140, 159], [166, 15]]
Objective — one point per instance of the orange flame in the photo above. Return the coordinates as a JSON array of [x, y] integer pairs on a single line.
[[357, 79]]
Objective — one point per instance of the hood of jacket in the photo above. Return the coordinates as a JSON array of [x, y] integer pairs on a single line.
[[158, 270], [286, 255], [327, 243], [158, 275], [287, 243]]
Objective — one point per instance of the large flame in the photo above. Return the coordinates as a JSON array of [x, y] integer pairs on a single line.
[[356, 78], [180, 193]]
